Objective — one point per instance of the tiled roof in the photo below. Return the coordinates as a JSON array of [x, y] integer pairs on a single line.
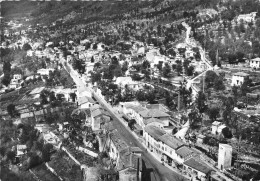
[[152, 120], [138, 109], [117, 140], [129, 160], [85, 99], [154, 131], [197, 165], [184, 151], [171, 141], [153, 113], [242, 74], [99, 112]]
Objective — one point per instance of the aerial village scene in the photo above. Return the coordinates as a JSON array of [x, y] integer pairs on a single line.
[[161, 90]]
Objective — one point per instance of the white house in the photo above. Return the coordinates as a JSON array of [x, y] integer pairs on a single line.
[[21, 150], [247, 17], [255, 63], [17, 76], [239, 78], [127, 81], [44, 71]]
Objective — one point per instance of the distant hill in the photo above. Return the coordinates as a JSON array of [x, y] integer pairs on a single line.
[[47, 12]]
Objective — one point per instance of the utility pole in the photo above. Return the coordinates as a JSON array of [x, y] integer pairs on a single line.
[[203, 84]]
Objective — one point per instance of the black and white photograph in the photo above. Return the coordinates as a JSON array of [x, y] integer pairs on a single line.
[[138, 90]]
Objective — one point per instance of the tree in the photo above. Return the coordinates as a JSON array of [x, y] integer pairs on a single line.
[[10, 155], [131, 123], [11, 110], [219, 84], [166, 70], [210, 78], [125, 66], [46, 150], [27, 47], [7, 67], [73, 96], [201, 102], [213, 113], [6, 79], [245, 86], [52, 96], [159, 66], [140, 95], [195, 119]]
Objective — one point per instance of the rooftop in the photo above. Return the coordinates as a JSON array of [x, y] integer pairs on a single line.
[[99, 112], [184, 151], [171, 141], [153, 113], [256, 59], [37, 90], [116, 138], [85, 99], [152, 120], [241, 74], [198, 165], [154, 131]]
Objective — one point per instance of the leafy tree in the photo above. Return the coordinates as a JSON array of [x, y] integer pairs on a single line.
[[73, 96], [140, 95], [131, 123], [6, 79], [166, 70], [210, 78], [125, 66], [95, 77], [146, 64], [227, 133], [195, 119], [52, 96], [245, 86], [27, 47], [219, 84], [11, 110], [213, 113], [7, 67], [159, 66], [10, 155], [201, 102]]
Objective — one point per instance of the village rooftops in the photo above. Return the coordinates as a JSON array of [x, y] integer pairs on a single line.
[[152, 120], [184, 151], [138, 109], [157, 106], [241, 74], [129, 160], [116, 138], [130, 104], [171, 141], [99, 112], [216, 123], [198, 165], [153, 113], [154, 131], [123, 80], [256, 59], [95, 107], [85, 99]]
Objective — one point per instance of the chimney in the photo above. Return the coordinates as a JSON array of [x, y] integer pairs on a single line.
[[131, 161]]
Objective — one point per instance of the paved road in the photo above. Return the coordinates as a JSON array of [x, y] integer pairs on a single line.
[[158, 171]]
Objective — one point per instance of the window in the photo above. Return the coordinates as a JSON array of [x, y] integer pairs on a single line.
[[171, 152], [162, 148], [165, 148]]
